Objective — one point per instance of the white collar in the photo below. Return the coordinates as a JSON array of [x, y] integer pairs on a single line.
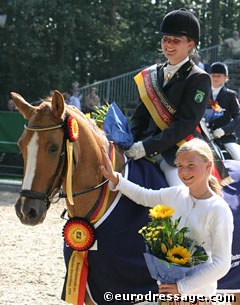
[[177, 66], [170, 70], [215, 92]]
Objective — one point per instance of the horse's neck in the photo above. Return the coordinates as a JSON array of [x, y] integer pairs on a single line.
[[88, 174]]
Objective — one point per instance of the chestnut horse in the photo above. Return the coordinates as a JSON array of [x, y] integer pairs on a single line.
[[115, 263]]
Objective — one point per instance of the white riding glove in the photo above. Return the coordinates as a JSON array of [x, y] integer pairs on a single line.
[[136, 151], [218, 133]]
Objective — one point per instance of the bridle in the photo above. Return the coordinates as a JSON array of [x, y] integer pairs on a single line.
[[47, 197]]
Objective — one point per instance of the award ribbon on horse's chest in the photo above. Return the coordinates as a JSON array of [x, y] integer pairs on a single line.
[[75, 284]]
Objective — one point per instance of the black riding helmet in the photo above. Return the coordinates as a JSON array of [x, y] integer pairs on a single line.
[[219, 68], [181, 23]]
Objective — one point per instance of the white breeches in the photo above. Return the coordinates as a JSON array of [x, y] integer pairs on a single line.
[[233, 149]]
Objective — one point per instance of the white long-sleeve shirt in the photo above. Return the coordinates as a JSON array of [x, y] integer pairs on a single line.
[[210, 222]]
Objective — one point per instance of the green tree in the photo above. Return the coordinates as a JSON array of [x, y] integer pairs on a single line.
[[49, 44]]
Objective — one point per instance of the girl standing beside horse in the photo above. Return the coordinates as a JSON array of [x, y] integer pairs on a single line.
[[201, 208]]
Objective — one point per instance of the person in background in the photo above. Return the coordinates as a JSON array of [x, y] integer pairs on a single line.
[[11, 105], [76, 90], [92, 100], [233, 44], [201, 207], [70, 99], [225, 104], [51, 92], [173, 96], [197, 60]]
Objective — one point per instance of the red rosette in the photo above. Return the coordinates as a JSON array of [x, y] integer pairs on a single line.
[[79, 234], [72, 128]]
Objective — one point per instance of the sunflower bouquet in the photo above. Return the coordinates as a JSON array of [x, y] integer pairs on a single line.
[[171, 254]]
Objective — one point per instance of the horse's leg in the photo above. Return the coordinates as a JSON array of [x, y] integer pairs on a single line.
[[88, 300]]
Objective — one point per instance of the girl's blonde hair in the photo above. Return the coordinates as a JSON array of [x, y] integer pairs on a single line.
[[202, 149]]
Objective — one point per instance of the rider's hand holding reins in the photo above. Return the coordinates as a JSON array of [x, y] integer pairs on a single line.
[[218, 133], [136, 151], [107, 169]]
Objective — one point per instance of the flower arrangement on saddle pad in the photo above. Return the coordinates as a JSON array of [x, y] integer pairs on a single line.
[[215, 106], [171, 254], [213, 113], [99, 114], [114, 123]]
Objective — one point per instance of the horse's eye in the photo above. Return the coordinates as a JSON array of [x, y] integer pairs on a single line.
[[53, 148]]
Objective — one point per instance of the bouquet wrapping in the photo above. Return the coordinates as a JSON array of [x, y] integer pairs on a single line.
[[166, 272]]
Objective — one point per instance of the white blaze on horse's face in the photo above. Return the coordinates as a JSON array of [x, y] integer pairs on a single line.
[[31, 162]]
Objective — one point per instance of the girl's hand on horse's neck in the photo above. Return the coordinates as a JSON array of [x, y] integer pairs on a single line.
[[107, 169]]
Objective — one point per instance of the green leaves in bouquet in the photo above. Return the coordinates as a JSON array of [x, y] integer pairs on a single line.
[[199, 255], [167, 242]]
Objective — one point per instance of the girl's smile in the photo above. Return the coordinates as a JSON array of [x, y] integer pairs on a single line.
[[194, 172], [176, 48]]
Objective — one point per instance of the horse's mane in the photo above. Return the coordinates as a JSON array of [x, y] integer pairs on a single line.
[[81, 118], [89, 123]]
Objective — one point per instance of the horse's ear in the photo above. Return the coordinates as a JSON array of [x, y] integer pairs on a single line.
[[58, 105], [24, 107]]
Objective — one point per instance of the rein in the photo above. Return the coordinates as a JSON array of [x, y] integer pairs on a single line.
[[95, 206], [90, 189]]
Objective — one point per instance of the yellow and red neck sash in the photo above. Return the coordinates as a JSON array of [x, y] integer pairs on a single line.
[[159, 107], [78, 234]]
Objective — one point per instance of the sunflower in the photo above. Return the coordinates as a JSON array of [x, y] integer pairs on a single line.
[[178, 255], [161, 211], [167, 242]]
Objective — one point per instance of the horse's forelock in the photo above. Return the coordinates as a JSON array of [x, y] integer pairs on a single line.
[[43, 115], [46, 106]]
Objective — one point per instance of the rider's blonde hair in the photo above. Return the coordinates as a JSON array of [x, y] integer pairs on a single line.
[[202, 149]]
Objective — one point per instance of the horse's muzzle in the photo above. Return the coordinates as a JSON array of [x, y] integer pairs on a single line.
[[30, 211]]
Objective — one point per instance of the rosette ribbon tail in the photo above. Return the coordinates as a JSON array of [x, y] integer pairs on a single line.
[[69, 171], [75, 282]]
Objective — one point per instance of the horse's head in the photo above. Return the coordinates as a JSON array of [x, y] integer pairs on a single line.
[[43, 147]]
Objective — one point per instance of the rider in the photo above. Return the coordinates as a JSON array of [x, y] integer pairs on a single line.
[[226, 111], [173, 95]]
